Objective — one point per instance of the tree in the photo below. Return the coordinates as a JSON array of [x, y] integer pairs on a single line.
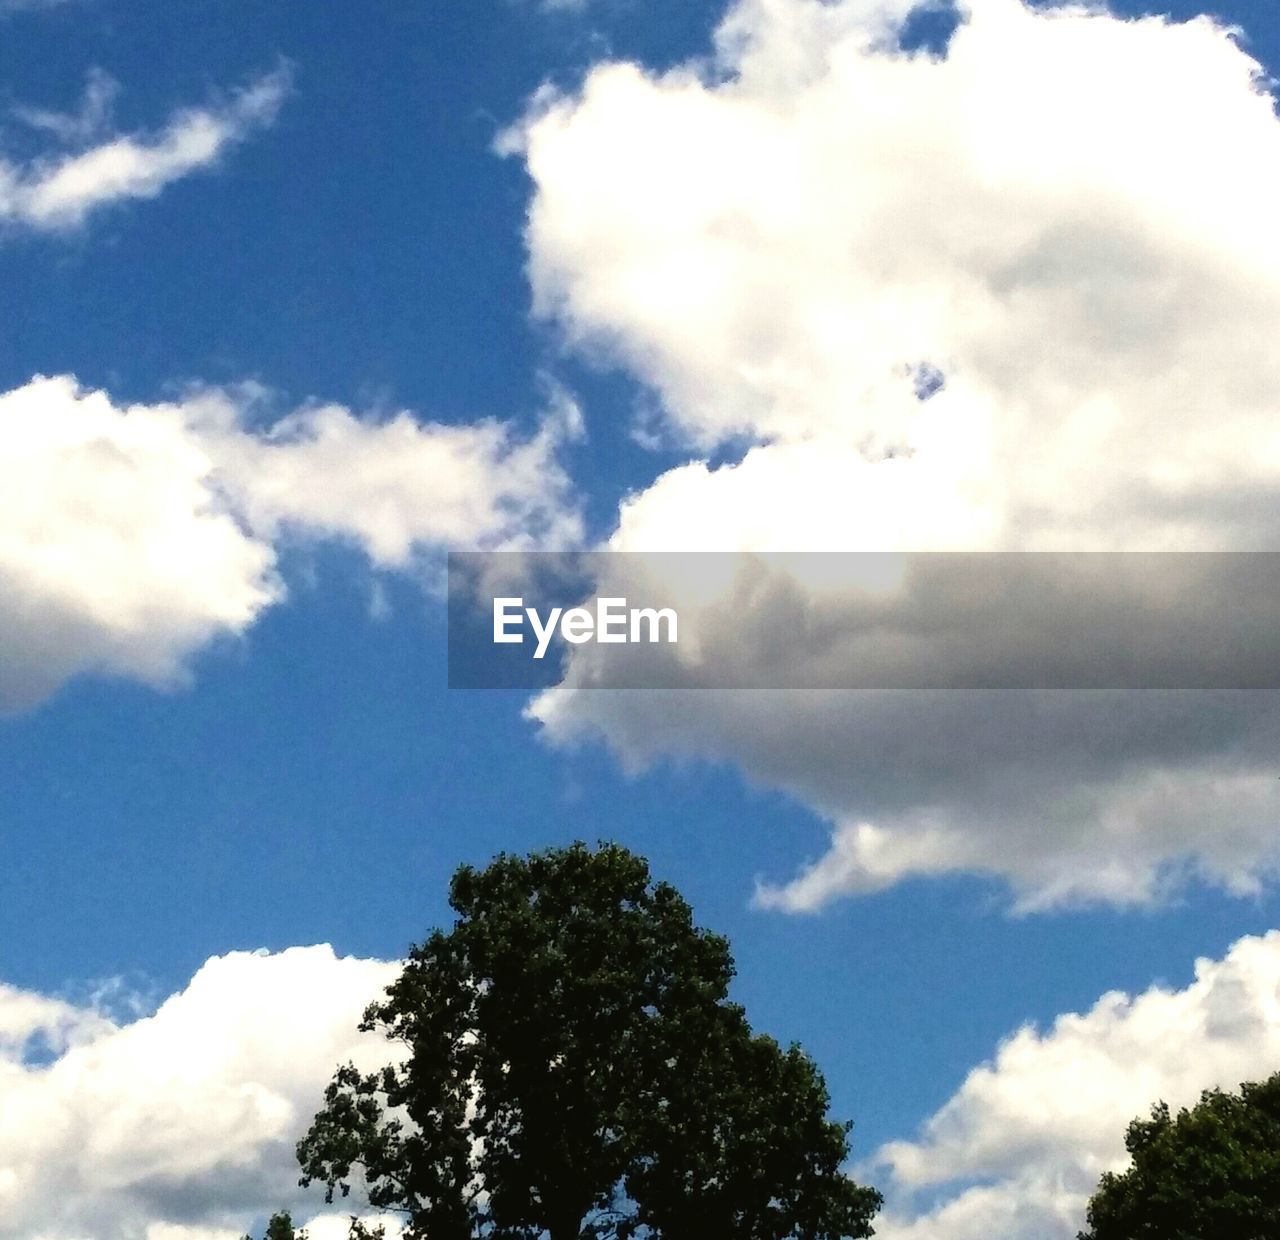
[[571, 1067], [280, 1227], [1208, 1173]]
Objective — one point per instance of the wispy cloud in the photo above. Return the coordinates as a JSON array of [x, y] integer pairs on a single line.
[[28, 6], [60, 191], [87, 123]]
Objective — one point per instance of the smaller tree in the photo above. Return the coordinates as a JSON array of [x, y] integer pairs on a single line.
[[280, 1227], [1208, 1173]]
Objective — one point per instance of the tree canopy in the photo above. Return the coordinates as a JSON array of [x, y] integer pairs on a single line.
[[570, 1065], [1208, 1173], [280, 1227]]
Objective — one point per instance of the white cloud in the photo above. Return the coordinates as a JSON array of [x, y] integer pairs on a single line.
[[60, 191], [179, 1125], [1019, 1147], [1070, 218], [170, 1231], [774, 251], [338, 1226], [1069, 797], [131, 537], [27, 1019], [396, 485]]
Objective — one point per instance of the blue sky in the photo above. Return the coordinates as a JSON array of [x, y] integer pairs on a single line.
[[312, 779]]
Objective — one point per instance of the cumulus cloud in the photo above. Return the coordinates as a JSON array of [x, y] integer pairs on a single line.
[[59, 191], [132, 536], [1068, 797], [179, 1125], [776, 244], [1019, 296], [1018, 1149]]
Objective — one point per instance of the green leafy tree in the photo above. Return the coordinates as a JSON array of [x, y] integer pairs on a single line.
[[571, 1067], [280, 1227], [1208, 1173]]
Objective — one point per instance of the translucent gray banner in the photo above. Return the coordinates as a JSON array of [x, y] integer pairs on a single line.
[[695, 620]]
